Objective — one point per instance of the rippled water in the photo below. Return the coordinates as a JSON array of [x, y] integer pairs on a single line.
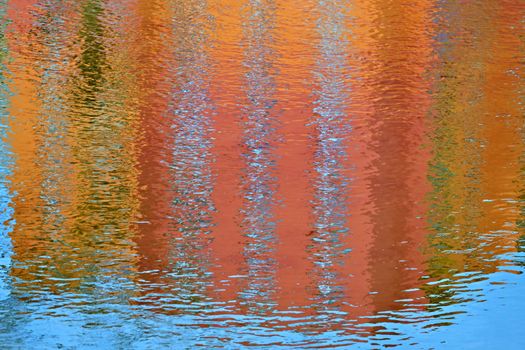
[[257, 173]]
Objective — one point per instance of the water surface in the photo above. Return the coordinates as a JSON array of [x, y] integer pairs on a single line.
[[262, 173]]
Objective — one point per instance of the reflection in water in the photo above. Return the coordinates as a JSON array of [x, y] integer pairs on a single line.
[[259, 122], [174, 274], [271, 173], [191, 177], [6, 211], [456, 184], [332, 128], [520, 77], [476, 138], [105, 202]]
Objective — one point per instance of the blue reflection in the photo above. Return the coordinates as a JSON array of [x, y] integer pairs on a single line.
[[6, 163]]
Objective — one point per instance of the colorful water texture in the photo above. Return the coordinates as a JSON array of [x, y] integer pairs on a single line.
[[262, 174]]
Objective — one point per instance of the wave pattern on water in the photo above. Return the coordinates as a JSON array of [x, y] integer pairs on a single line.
[[261, 173]]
